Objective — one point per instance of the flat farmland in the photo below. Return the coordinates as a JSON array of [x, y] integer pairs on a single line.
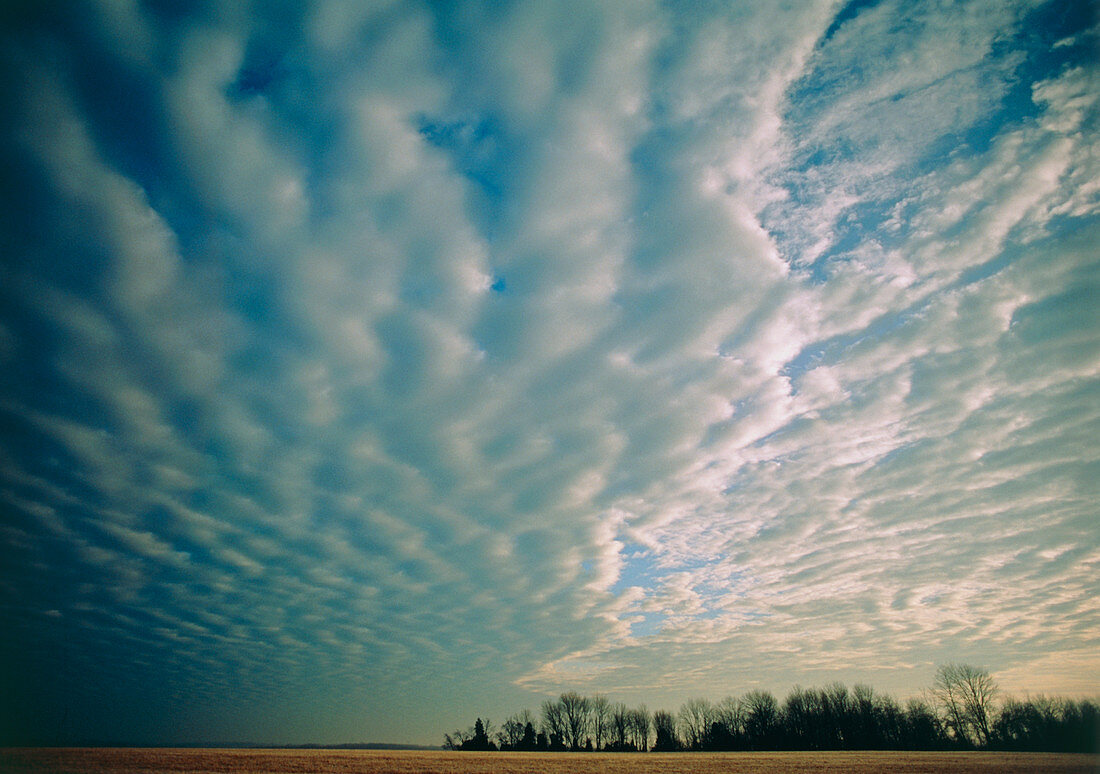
[[219, 761]]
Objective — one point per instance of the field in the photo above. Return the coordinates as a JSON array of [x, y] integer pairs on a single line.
[[195, 761]]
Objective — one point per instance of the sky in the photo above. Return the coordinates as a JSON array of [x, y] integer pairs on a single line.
[[368, 367]]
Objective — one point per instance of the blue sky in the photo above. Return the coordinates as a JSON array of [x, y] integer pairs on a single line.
[[368, 366]]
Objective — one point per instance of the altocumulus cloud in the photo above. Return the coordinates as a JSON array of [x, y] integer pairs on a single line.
[[361, 364]]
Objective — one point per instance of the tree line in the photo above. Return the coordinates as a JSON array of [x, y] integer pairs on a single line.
[[962, 710]]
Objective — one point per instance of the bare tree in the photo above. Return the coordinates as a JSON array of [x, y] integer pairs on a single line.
[[600, 708], [641, 721], [457, 739], [966, 694], [838, 708], [575, 710], [620, 725], [729, 714], [664, 725], [511, 732], [863, 714], [475, 738], [761, 718], [694, 718], [553, 720], [799, 716]]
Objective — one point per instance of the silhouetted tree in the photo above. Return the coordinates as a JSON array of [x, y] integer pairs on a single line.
[[664, 725], [641, 721], [530, 739], [512, 731], [965, 694], [600, 708], [727, 727], [456, 740], [474, 738], [575, 712], [553, 721], [1043, 724], [761, 720], [694, 718], [802, 720], [826, 718], [479, 740], [889, 724], [1078, 727], [620, 728], [923, 729], [1024, 726], [837, 707], [864, 726]]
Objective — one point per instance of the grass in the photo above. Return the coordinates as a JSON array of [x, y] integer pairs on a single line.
[[192, 761]]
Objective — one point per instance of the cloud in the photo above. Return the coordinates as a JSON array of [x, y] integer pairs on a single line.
[[427, 355]]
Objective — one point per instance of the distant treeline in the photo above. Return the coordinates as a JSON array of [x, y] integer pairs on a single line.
[[962, 710], [346, 746]]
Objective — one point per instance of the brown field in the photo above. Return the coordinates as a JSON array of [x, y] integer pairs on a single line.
[[192, 761]]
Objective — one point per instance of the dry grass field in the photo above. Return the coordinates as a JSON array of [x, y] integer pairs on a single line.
[[190, 761]]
